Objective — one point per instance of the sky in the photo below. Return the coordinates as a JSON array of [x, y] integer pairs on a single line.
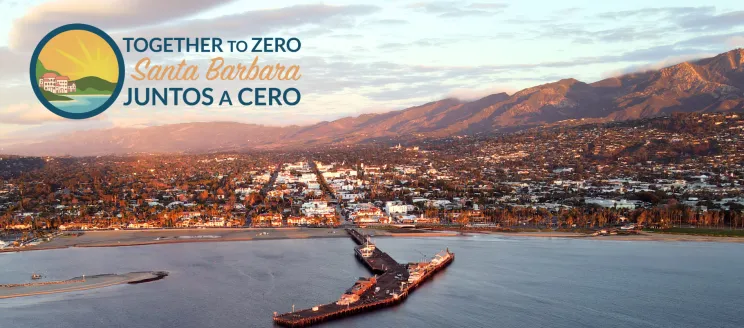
[[365, 56]]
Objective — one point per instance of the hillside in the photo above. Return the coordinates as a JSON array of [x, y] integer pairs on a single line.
[[706, 85], [94, 85], [41, 70]]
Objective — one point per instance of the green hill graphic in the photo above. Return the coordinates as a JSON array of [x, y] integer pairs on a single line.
[[89, 85], [93, 85], [41, 70]]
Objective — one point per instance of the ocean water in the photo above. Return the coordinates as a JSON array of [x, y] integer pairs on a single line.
[[81, 104], [495, 281]]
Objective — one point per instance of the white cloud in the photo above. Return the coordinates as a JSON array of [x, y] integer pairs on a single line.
[[735, 41], [146, 18], [27, 114], [475, 94], [666, 62], [115, 14]]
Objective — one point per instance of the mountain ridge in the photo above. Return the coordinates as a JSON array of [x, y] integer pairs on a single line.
[[703, 85]]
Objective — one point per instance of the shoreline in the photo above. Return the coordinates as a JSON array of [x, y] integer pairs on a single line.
[[146, 237]]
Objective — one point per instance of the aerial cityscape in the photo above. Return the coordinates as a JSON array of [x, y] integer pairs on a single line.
[[678, 171], [449, 164]]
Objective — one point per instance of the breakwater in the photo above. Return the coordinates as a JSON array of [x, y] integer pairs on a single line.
[[42, 283], [78, 283]]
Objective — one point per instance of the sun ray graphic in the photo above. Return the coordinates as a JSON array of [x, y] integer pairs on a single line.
[[72, 58], [79, 54], [85, 50]]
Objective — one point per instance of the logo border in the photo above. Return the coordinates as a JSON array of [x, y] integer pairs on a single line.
[[35, 83]]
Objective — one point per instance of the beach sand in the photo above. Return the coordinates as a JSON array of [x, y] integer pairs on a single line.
[[111, 238], [116, 238]]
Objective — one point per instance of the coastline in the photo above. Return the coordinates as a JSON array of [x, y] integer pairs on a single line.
[[144, 237]]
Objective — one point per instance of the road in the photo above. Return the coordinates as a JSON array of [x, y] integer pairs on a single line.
[[328, 191], [263, 192]]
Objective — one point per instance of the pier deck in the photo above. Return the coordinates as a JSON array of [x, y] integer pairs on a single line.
[[391, 287]]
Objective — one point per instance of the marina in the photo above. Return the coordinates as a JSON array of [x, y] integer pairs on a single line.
[[391, 284]]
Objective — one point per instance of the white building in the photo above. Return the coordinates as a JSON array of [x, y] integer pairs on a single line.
[[611, 203], [395, 207], [56, 84], [316, 208]]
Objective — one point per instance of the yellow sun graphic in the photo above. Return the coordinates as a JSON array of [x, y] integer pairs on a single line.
[[78, 54]]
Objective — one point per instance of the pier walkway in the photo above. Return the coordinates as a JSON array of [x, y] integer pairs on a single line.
[[389, 286]]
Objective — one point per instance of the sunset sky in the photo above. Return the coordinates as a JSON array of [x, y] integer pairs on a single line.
[[368, 56]]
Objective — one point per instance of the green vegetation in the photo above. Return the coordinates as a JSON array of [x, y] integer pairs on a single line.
[[702, 232], [89, 85], [41, 70], [54, 97], [92, 85]]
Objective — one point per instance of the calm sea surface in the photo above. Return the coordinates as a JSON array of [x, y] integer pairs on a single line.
[[504, 282], [81, 104]]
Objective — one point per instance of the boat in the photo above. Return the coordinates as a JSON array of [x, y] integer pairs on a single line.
[[35, 276], [440, 257], [368, 249], [628, 227]]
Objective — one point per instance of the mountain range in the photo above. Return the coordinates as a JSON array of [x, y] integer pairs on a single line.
[[705, 85]]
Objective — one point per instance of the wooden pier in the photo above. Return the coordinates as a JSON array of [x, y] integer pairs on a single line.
[[390, 286]]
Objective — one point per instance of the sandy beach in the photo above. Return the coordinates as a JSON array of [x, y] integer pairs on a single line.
[[117, 238], [77, 284], [120, 238]]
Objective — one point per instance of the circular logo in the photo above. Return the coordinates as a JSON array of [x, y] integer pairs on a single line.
[[77, 71]]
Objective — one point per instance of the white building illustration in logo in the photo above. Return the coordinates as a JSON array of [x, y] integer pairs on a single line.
[[56, 84]]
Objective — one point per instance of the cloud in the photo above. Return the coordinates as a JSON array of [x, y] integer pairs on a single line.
[[145, 18], [451, 9], [703, 18], [21, 134], [488, 5], [657, 11], [386, 22], [666, 62], [415, 44], [735, 41], [475, 94], [107, 15], [26, 114], [581, 34], [708, 21], [13, 63], [257, 22]]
